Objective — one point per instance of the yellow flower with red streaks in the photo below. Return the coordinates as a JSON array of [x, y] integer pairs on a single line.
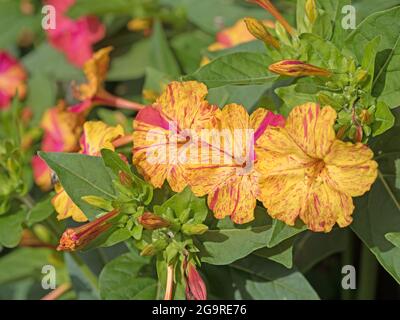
[[96, 136], [308, 173], [62, 130], [12, 79], [92, 92], [227, 174], [162, 133]]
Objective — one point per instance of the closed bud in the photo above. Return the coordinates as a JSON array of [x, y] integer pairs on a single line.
[[194, 229], [296, 68], [311, 10], [259, 31], [153, 248], [195, 286], [361, 75], [98, 202], [151, 221]]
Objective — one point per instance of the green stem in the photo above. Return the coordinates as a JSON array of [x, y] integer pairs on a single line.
[[27, 200], [368, 275], [348, 259]]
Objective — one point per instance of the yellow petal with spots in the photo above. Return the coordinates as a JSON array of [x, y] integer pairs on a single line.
[[65, 207], [97, 135], [350, 168], [312, 128]]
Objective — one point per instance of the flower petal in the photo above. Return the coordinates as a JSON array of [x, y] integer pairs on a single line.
[[312, 128], [97, 135], [350, 168], [65, 207]]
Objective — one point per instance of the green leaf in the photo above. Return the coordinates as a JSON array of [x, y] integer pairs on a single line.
[[181, 202], [132, 64], [81, 175], [161, 56], [11, 229], [240, 68], [227, 242], [259, 279], [41, 211], [47, 60], [393, 237], [24, 263], [384, 119], [86, 7], [386, 85], [295, 95], [314, 247], [126, 278], [368, 61], [378, 212], [41, 95], [282, 253]]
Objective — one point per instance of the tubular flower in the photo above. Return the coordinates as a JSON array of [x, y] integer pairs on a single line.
[[233, 36], [228, 175], [308, 173], [164, 133], [92, 92], [74, 37], [12, 79], [61, 134], [296, 68], [77, 238], [96, 136]]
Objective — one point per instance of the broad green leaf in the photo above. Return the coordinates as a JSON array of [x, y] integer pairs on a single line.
[[132, 64], [393, 237], [188, 47], [282, 253], [378, 212], [255, 46], [42, 210], [81, 175], [86, 7], [47, 60], [248, 96], [23, 263], [256, 278], [295, 95], [240, 68], [227, 242], [313, 247], [127, 277], [368, 61], [384, 119], [366, 7], [161, 56], [386, 85], [11, 228]]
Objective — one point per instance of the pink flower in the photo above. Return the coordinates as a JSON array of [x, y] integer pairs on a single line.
[[12, 79], [74, 37], [195, 286]]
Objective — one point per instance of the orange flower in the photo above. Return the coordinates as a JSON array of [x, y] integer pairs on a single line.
[[12, 79], [61, 134], [163, 133], [308, 173], [92, 92], [227, 174], [96, 136], [296, 68]]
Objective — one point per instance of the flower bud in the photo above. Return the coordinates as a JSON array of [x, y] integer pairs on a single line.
[[296, 68], [125, 179], [77, 238], [194, 229], [98, 202], [361, 75], [311, 10], [195, 287], [151, 221], [259, 31]]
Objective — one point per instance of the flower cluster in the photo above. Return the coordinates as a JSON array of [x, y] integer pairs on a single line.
[[295, 167]]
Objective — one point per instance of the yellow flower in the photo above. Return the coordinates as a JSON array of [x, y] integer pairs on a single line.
[[308, 173], [96, 136], [92, 92], [228, 176], [162, 132]]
